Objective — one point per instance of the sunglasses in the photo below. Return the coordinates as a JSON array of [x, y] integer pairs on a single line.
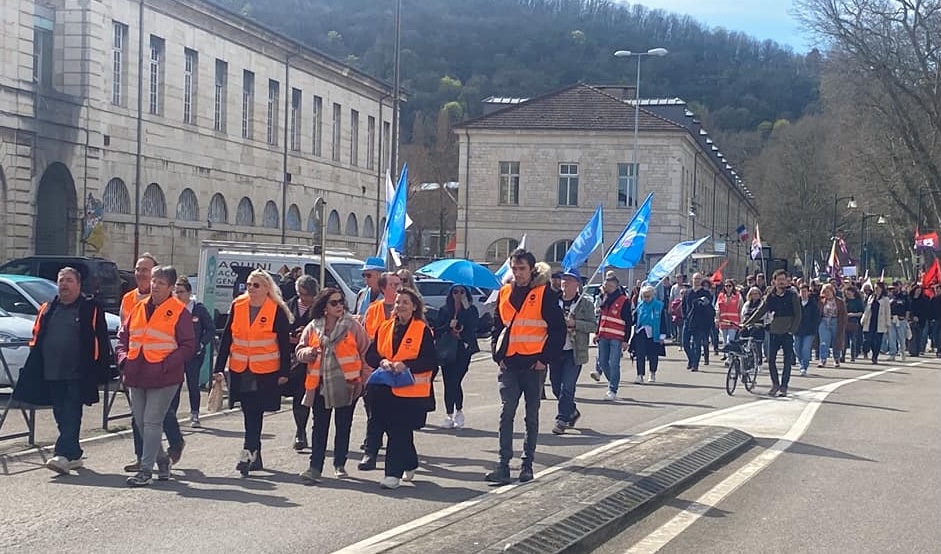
[[255, 285], [334, 303]]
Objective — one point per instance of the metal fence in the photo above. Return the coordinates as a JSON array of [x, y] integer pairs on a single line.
[[28, 413]]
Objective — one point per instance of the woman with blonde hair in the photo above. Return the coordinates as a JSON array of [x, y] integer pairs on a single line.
[[832, 328], [408, 280], [256, 343]]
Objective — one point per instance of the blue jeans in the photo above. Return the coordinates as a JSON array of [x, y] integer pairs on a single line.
[[895, 338], [803, 346], [563, 375], [609, 358], [827, 331], [931, 331], [67, 409], [515, 383], [693, 340]]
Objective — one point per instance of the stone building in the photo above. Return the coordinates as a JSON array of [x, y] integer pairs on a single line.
[[542, 166], [181, 121]]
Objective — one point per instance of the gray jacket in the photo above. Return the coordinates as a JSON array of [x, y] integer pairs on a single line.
[[585, 323]]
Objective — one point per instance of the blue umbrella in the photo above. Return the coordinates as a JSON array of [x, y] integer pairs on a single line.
[[461, 272]]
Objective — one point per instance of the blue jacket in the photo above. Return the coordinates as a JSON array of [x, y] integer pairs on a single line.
[[649, 314]]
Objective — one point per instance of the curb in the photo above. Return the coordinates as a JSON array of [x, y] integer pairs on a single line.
[[585, 528]]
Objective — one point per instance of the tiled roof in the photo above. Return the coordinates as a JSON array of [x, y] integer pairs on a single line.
[[578, 107]]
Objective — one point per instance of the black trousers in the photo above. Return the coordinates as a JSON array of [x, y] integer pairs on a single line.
[[453, 375], [397, 417], [301, 414], [777, 342], [254, 419], [343, 425]]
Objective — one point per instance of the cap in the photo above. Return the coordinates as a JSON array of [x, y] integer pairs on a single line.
[[573, 273], [374, 264], [611, 276], [556, 275]]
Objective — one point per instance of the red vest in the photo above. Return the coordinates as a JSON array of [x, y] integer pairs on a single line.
[[611, 325]]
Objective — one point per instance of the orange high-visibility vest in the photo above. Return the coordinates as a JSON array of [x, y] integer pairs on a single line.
[[408, 350], [529, 330], [375, 316], [128, 301], [155, 337], [94, 327], [254, 343], [347, 354]]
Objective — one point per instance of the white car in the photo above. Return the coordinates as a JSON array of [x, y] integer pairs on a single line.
[[15, 333], [24, 294]]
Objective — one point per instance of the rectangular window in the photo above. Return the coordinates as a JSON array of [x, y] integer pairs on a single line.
[[354, 137], [510, 183], [190, 73], [248, 104], [156, 75], [118, 41], [627, 186], [295, 119], [568, 184], [370, 142], [43, 27], [219, 96], [271, 128], [386, 144], [318, 126], [337, 128]]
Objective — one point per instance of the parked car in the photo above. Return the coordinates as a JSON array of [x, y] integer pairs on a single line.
[[13, 330], [23, 295], [100, 277]]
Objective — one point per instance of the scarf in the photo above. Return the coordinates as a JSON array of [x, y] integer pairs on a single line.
[[336, 392]]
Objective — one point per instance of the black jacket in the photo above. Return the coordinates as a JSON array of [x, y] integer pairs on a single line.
[[555, 321], [810, 318], [96, 365]]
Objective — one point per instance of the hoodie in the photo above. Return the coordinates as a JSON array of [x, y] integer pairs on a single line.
[[551, 313]]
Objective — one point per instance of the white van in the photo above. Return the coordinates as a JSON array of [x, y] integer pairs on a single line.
[[218, 261]]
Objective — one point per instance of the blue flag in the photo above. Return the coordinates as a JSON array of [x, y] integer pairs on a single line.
[[673, 258], [393, 236], [627, 251], [585, 243]]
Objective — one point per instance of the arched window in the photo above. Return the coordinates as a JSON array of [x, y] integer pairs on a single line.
[[153, 204], [245, 213], [333, 223], [369, 228], [218, 211], [500, 249], [293, 222], [313, 222], [270, 218], [352, 227], [557, 251], [116, 200], [187, 207]]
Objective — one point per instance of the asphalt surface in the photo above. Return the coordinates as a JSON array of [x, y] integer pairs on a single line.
[[207, 507]]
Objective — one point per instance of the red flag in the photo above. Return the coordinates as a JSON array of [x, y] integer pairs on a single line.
[[931, 278], [717, 274]]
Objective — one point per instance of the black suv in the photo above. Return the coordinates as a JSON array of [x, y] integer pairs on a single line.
[[100, 277]]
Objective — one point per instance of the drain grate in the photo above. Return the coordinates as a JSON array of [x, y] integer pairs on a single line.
[[574, 532]]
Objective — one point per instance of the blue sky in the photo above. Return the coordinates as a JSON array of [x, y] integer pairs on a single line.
[[763, 19]]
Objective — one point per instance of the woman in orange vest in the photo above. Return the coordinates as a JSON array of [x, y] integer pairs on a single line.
[[333, 346], [256, 344], [154, 343], [402, 343]]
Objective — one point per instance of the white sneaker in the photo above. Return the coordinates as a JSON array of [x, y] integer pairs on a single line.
[[58, 464], [76, 464], [409, 476], [448, 423], [389, 483], [610, 396], [639, 380], [652, 378], [459, 420]]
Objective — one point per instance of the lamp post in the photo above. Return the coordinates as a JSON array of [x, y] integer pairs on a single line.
[[850, 205], [321, 206], [863, 244]]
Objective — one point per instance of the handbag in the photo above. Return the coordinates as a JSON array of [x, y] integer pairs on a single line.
[[502, 343], [446, 347], [215, 396]]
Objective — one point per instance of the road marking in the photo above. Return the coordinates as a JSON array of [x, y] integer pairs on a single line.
[[378, 542], [695, 510]]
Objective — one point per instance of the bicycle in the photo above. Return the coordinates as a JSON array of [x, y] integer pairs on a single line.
[[744, 353]]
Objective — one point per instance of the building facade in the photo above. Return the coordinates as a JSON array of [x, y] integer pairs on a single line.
[[541, 167], [131, 126]]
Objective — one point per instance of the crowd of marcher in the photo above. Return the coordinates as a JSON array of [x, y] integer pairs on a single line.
[[327, 356]]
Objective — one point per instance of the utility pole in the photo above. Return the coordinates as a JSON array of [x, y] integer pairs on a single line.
[[394, 147]]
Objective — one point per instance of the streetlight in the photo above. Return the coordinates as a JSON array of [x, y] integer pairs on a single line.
[[320, 205], [850, 205], [863, 245]]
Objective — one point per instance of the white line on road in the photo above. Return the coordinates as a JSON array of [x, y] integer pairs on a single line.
[[679, 523]]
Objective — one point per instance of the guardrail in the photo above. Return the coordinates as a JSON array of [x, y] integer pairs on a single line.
[[29, 414]]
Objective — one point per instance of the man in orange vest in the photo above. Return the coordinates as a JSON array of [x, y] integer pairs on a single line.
[[171, 427], [528, 334], [378, 312]]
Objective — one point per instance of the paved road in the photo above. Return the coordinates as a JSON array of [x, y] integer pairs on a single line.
[[275, 513], [860, 476]]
